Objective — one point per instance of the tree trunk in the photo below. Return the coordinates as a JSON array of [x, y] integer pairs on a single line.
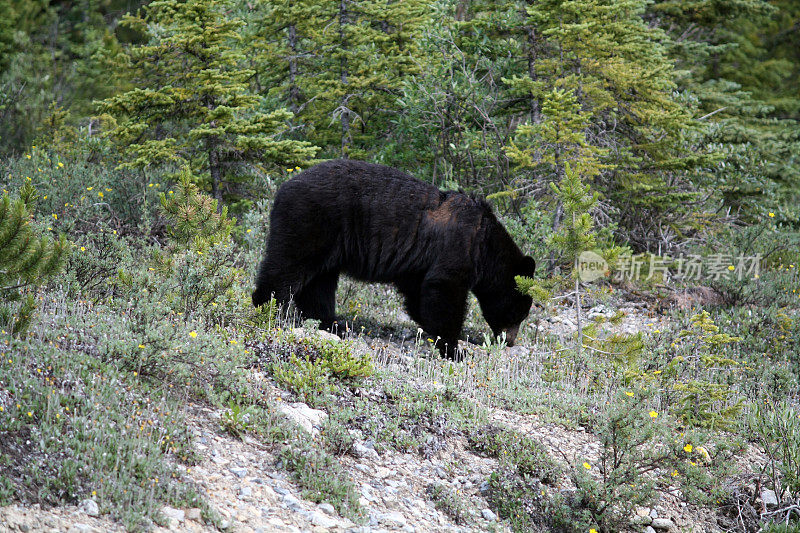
[[213, 167], [551, 263], [578, 307], [294, 90], [533, 48], [345, 112]]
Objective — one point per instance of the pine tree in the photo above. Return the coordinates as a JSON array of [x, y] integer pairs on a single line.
[[47, 57], [558, 145], [27, 259], [199, 264], [192, 102], [617, 68], [739, 61], [195, 222], [340, 65]]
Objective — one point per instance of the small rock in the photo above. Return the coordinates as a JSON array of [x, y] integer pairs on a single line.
[[327, 509], [320, 519], [176, 514], [488, 515], [649, 529], [239, 472], [89, 507], [653, 513], [484, 488], [363, 468], [81, 528], [194, 514], [769, 497], [362, 451], [245, 492], [366, 492], [304, 416], [394, 518], [281, 490], [277, 522], [291, 502], [663, 523]]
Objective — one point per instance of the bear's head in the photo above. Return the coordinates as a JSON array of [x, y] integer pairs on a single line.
[[503, 306]]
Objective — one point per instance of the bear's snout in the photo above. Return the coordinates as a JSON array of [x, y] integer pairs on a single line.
[[511, 335]]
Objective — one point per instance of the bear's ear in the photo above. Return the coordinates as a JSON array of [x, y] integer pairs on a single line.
[[528, 266]]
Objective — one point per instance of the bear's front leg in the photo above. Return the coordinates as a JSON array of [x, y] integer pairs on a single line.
[[442, 306]]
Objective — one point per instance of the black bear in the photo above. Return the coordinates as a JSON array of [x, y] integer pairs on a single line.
[[376, 223]]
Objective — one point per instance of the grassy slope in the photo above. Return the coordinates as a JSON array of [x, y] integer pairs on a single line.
[[93, 398]]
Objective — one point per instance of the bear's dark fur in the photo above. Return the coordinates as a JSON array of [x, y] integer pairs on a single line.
[[376, 223]]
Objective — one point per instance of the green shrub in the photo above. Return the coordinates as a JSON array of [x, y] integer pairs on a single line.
[[74, 427], [700, 375], [776, 428], [311, 366], [775, 282], [337, 438], [515, 450], [79, 190], [237, 420], [321, 478], [27, 259], [450, 503]]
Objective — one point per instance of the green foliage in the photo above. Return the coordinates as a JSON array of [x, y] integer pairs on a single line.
[[738, 67], [192, 103], [762, 252], [623, 351], [338, 439], [776, 427], [236, 420], [28, 258], [80, 192], [628, 453], [199, 265], [48, 55], [702, 374], [313, 365], [515, 450], [196, 220], [321, 478], [450, 503], [97, 435], [339, 66]]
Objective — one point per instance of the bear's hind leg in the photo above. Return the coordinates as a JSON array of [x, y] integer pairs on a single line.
[[317, 298]]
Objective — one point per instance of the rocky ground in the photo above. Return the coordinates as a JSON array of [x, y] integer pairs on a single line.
[[243, 484]]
